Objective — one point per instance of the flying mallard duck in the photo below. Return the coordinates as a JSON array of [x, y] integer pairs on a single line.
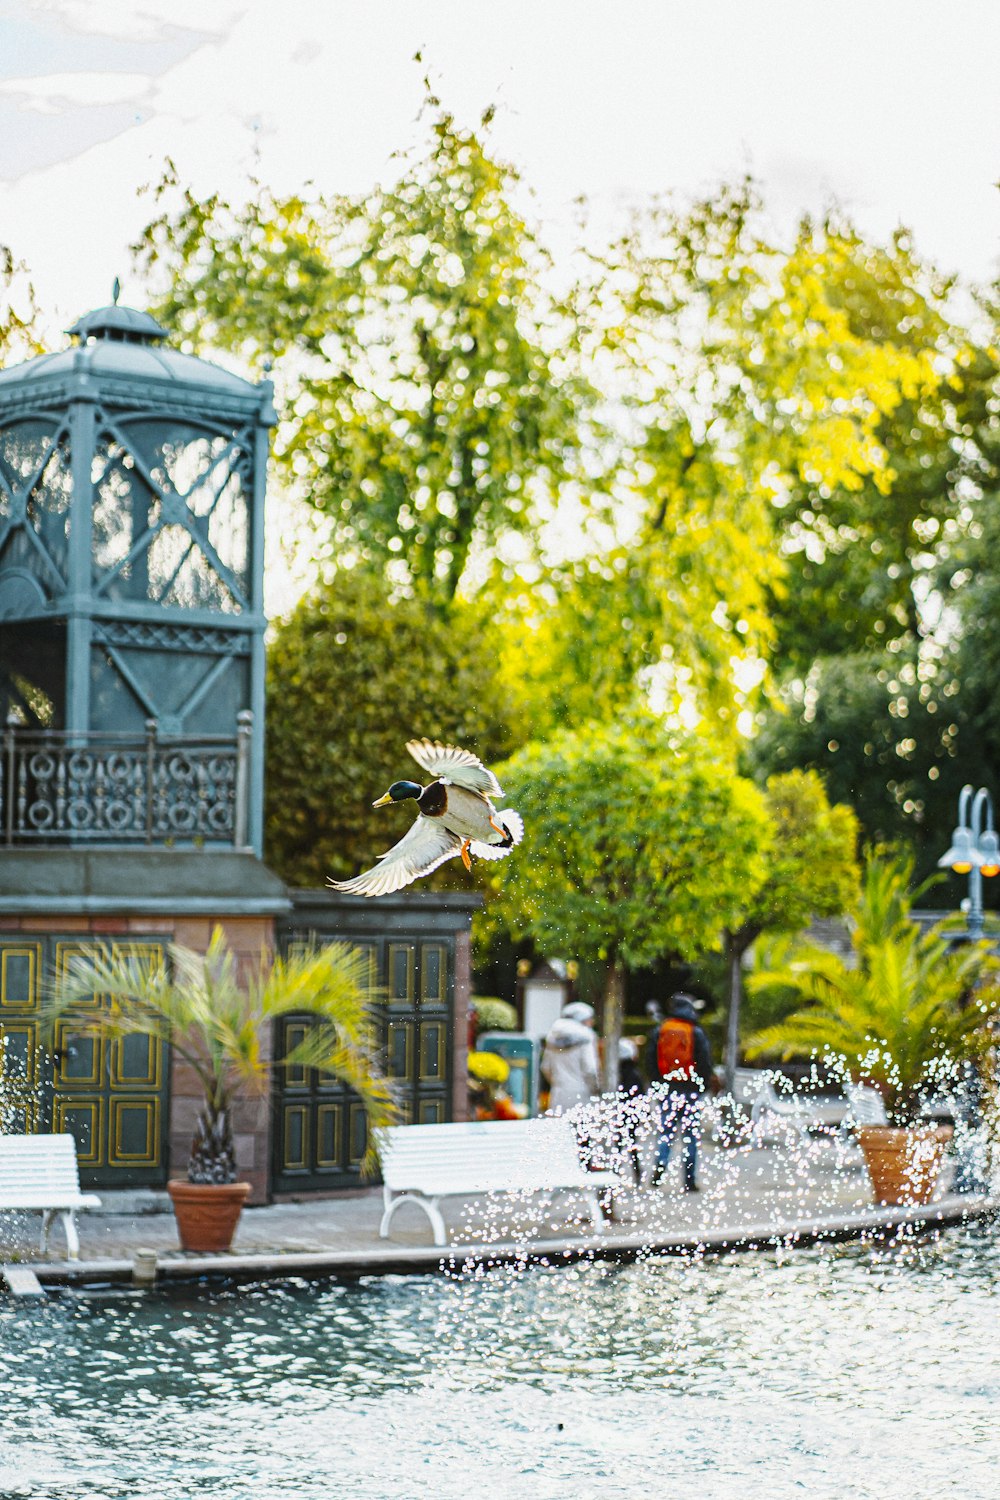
[[456, 816]]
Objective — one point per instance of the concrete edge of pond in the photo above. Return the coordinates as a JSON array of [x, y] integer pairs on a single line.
[[383, 1259]]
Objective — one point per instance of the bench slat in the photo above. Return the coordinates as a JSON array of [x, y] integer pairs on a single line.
[[40, 1200], [29, 1171], [552, 1160], [450, 1187], [539, 1155]]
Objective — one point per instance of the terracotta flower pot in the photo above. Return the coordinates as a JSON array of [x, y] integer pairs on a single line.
[[903, 1164], [207, 1212]]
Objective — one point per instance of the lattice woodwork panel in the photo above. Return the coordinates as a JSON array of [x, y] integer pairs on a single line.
[[171, 514], [191, 640], [35, 500]]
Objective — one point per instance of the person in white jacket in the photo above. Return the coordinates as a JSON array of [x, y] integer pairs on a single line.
[[569, 1059]]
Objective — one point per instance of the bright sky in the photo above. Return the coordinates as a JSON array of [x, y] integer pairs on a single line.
[[891, 105]]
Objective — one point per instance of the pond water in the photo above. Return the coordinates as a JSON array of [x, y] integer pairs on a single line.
[[846, 1371]]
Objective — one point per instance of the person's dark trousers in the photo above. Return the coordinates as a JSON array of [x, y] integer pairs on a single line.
[[679, 1116], [626, 1147]]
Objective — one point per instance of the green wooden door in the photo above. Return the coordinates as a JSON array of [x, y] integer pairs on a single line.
[[417, 1029], [320, 1132], [111, 1096]]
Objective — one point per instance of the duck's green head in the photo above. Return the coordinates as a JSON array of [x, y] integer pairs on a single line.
[[400, 791]]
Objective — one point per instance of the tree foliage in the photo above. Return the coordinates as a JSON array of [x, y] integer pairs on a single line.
[[428, 399], [858, 549], [884, 732], [969, 581], [637, 846], [18, 311], [701, 468], [812, 872], [888, 636], [762, 400], [350, 678], [813, 869]]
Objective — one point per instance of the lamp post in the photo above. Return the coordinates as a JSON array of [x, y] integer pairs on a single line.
[[975, 851]]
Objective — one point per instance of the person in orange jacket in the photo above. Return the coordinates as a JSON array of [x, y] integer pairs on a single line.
[[679, 1065]]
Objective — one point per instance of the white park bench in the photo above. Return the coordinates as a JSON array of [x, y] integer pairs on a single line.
[[422, 1164], [755, 1091], [40, 1172]]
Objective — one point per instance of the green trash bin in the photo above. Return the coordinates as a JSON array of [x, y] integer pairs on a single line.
[[522, 1052]]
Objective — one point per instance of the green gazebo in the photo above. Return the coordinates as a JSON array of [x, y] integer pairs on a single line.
[[132, 484]]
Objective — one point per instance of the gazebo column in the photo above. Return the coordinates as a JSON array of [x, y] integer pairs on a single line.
[[79, 630]]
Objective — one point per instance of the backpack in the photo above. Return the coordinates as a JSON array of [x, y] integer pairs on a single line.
[[675, 1049]]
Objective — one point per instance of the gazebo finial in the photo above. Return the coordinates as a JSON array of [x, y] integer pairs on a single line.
[[116, 291]]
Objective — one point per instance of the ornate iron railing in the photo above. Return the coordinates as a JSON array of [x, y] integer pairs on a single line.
[[62, 788]]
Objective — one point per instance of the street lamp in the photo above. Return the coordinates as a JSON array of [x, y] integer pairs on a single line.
[[975, 851]]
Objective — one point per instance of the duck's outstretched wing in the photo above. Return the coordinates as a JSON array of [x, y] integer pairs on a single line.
[[452, 764], [421, 849]]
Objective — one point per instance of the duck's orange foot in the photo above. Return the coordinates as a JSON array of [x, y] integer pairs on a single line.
[[467, 862], [506, 837]]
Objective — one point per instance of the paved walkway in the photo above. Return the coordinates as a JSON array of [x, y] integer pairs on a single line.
[[749, 1196]]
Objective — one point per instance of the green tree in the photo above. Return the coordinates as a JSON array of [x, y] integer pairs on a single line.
[[895, 1015], [969, 584], [637, 845], [812, 872], [350, 678], [428, 399], [884, 632], [883, 731], [858, 554], [763, 447], [751, 389]]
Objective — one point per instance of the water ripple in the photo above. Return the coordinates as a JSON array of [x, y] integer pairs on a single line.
[[830, 1371]]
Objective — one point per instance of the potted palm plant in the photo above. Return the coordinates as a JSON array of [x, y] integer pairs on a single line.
[[902, 1016], [219, 1022]]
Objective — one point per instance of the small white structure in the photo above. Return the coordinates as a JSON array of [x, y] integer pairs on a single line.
[[543, 993], [865, 1106]]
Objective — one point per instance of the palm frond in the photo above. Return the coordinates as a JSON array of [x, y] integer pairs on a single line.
[[900, 1012]]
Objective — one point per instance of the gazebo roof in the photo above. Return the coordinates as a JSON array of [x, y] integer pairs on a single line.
[[114, 322], [125, 343]]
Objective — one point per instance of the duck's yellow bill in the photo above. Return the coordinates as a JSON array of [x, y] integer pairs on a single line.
[[382, 801]]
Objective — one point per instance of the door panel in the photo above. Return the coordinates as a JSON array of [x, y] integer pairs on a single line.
[[112, 1096], [320, 1134]]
